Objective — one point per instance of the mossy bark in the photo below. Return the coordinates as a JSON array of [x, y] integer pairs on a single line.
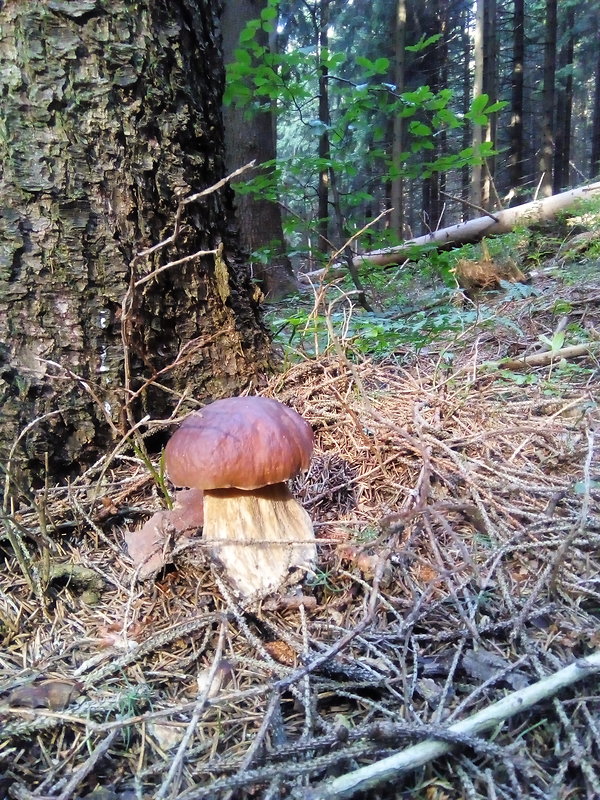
[[111, 112]]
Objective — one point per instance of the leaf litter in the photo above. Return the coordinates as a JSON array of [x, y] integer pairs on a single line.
[[458, 523]]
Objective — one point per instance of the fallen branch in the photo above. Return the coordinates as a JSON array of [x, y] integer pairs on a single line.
[[88, 766], [367, 778], [548, 357], [475, 229]]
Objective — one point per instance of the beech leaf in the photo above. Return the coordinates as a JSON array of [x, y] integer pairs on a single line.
[[148, 546], [53, 694]]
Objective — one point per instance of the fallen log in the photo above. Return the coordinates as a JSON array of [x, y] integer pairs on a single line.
[[475, 229], [548, 357]]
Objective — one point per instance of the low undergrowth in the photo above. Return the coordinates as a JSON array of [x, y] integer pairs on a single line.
[[457, 507]]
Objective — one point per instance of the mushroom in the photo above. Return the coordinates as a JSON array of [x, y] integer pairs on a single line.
[[241, 451]]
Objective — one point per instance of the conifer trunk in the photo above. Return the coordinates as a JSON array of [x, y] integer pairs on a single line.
[[252, 137], [516, 152], [546, 160], [112, 113]]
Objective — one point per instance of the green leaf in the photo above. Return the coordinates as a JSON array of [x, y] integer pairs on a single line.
[[423, 43], [381, 65], [496, 106], [242, 56], [268, 13], [446, 117], [247, 34], [419, 129], [555, 343], [366, 63], [478, 105]]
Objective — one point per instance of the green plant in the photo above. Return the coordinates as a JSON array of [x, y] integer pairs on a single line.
[[366, 535], [562, 307], [322, 579], [518, 378], [555, 342], [361, 102], [518, 291], [158, 475]]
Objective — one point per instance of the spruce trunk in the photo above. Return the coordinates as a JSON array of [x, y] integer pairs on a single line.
[[111, 115]]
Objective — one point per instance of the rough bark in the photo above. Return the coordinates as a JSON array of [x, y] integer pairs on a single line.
[[253, 139], [112, 112]]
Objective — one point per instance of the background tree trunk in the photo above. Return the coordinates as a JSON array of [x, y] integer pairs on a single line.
[[478, 56], [112, 112], [595, 157], [324, 118], [490, 87], [397, 183], [250, 138], [433, 20], [547, 149], [465, 173], [564, 104], [516, 154]]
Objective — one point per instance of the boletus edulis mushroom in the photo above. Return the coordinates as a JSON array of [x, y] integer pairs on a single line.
[[241, 451]]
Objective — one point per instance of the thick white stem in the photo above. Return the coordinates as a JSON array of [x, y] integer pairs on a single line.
[[258, 536]]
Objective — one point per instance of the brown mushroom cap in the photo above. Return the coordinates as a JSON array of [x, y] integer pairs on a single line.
[[239, 442]]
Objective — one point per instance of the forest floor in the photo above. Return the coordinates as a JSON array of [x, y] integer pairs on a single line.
[[456, 501]]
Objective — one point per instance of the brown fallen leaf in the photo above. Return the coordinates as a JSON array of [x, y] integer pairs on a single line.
[[223, 675], [167, 734], [53, 694], [366, 563], [113, 636], [147, 546], [290, 602]]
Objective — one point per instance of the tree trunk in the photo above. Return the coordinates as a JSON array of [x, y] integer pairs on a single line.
[[564, 105], [112, 114], [397, 183], [253, 139], [433, 24], [547, 150], [475, 229], [595, 157], [324, 118], [478, 41], [465, 173], [490, 87], [516, 152]]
